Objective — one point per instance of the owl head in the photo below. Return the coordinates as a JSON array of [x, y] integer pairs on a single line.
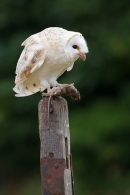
[[77, 47]]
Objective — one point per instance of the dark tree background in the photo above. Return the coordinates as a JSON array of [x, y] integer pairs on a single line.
[[99, 123]]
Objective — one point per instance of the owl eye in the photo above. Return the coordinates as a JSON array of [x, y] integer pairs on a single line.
[[75, 46]]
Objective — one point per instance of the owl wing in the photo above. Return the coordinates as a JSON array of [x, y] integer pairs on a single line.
[[31, 59]]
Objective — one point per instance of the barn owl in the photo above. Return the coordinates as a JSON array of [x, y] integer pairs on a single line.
[[46, 56]]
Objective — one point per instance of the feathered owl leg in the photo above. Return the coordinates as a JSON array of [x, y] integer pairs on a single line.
[[54, 83], [46, 84]]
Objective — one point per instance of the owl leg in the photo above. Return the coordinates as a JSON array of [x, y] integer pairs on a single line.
[[53, 81], [46, 84]]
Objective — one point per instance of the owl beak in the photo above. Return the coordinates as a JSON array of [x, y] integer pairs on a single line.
[[82, 56]]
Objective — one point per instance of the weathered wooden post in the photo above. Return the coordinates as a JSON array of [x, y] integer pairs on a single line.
[[55, 156]]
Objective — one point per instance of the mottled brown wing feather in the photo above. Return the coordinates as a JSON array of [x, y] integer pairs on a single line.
[[30, 60]]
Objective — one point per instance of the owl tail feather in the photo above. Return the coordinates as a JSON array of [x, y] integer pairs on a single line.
[[22, 91]]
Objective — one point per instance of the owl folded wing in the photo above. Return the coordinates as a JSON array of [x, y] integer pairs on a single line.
[[31, 59]]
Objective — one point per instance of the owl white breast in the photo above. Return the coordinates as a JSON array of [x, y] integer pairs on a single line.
[[46, 56]]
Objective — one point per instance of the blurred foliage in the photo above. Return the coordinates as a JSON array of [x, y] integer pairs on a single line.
[[99, 123]]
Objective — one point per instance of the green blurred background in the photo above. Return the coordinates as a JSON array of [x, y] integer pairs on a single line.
[[99, 123]]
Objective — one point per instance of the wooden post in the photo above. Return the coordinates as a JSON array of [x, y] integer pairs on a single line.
[[55, 157]]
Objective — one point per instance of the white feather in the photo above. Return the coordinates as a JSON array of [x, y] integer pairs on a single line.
[[70, 68]]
